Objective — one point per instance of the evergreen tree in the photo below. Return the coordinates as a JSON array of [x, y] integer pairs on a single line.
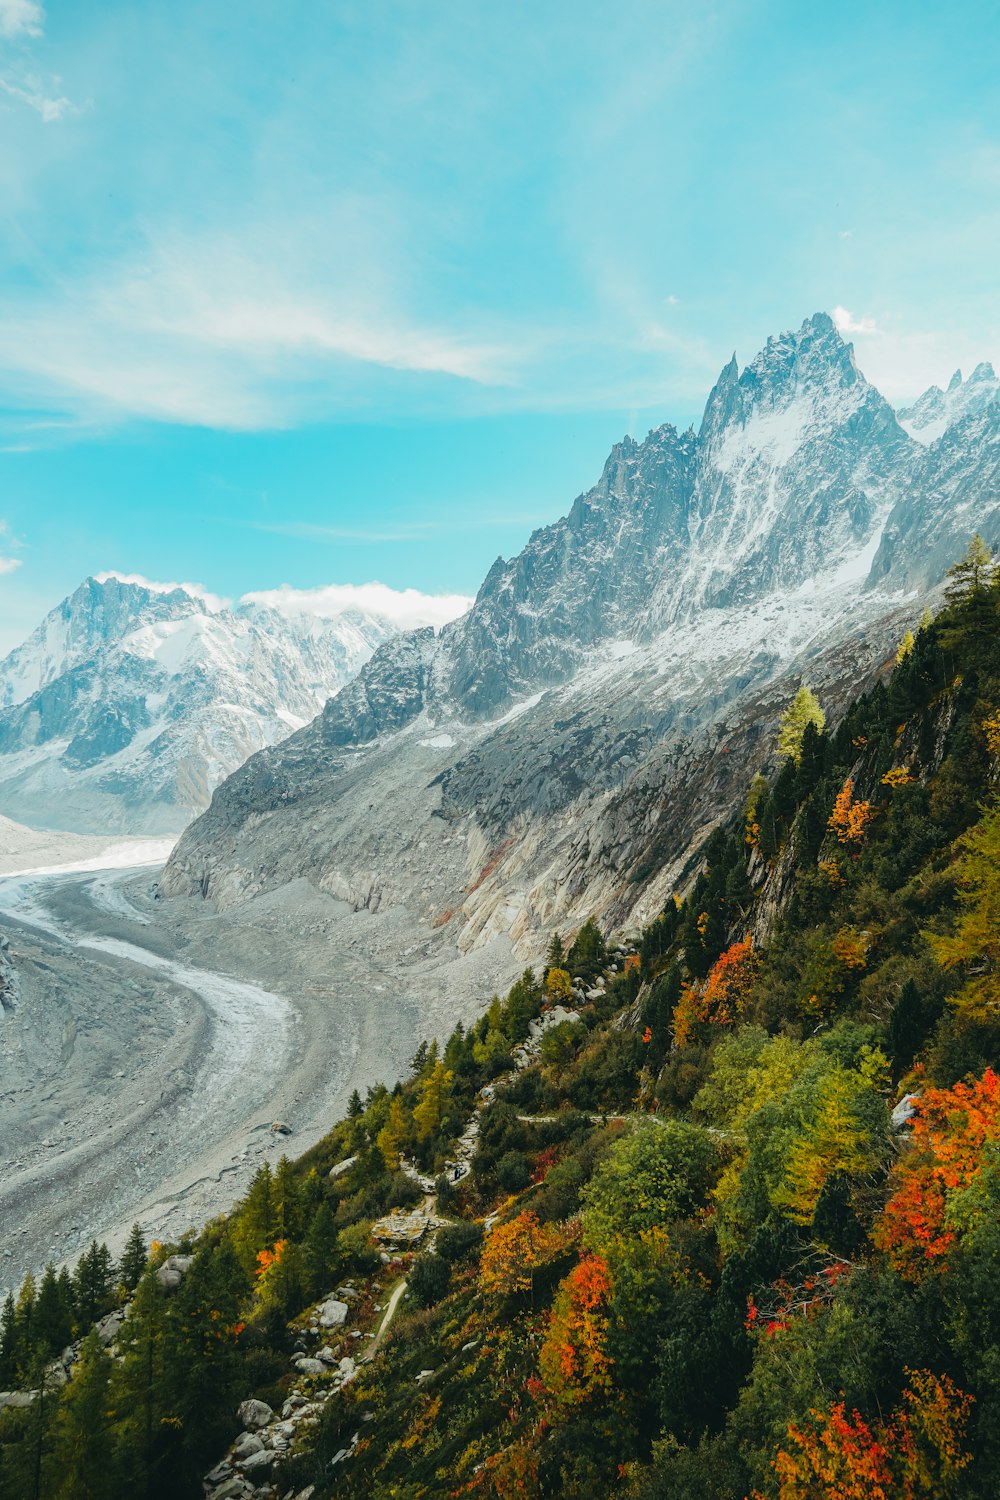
[[971, 577], [555, 958], [804, 709], [287, 1201], [137, 1392], [355, 1108], [133, 1261], [588, 954], [93, 1286], [255, 1226], [53, 1314], [82, 1434], [8, 1342], [320, 1251]]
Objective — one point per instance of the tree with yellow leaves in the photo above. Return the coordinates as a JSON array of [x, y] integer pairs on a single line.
[[435, 1097], [804, 709], [396, 1133]]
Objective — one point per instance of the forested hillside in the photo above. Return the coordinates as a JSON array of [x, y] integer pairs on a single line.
[[710, 1214]]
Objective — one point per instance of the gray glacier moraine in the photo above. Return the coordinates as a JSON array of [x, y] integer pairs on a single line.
[[144, 1055]]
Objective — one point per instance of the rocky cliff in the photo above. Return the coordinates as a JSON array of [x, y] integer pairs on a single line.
[[524, 767]]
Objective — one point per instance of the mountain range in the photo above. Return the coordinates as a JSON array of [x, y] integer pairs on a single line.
[[526, 766], [132, 701]]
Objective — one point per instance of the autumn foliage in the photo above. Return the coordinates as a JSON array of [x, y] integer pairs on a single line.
[[916, 1454], [574, 1361], [952, 1131], [849, 819], [720, 1001], [516, 1250]]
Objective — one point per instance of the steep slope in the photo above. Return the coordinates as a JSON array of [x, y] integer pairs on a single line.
[[560, 729], [131, 702]]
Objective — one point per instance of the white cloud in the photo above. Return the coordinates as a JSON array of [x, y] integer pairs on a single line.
[[32, 93], [21, 18], [239, 330], [8, 564], [846, 322], [405, 608]]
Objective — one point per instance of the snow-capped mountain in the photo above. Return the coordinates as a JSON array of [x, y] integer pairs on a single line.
[[936, 410], [520, 769], [132, 701]]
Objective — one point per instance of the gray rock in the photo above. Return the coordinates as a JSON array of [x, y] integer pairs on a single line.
[[255, 1414], [16, 1398], [230, 1489], [257, 1463], [332, 1313], [247, 1443], [310, 1367], [173, 1270]]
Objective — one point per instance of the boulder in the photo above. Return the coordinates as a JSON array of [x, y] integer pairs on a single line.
[[257, 1463], [16, 1398], [332, 1314], [341, 1168], [173, 1270], [255, 1414], [247, 1443], [348, 1369], [109, 1327], [230, 1489], [280, 1128], [327, 1355], [310, 1367]]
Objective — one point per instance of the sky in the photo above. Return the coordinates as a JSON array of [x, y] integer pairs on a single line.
[[299, 295]]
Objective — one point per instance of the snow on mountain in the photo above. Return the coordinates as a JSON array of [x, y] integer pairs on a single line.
[[133, 700], [520, 769], [936, 410]]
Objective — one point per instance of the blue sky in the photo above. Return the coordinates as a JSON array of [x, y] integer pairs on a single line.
[[299, 293]]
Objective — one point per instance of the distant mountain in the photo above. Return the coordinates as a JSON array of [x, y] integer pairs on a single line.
[[937, 410], [524, 767], [132, 701]]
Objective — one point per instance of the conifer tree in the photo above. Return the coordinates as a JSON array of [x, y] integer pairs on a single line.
[[971, 576], [555, 958], [395, 1135], [53, 1314], [8, 1342], [93, 1282], [804, 709], [355, 1108], [133, 1261], [435, 1097], [82, 1434], [320, 1251], [137, 1392]]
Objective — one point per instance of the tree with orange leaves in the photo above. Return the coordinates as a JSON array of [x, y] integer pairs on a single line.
[[721, 999], [850, 819], [516, 1250], [574, 1360], [951, 1131], [917, 1454]]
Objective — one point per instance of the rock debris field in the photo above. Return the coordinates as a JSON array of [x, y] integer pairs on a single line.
[[147, 1048]]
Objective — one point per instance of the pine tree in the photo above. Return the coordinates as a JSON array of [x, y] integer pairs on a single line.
[[133, 1261], [905, 648], [287, 1201], [588, 955], [8, 1342], [355, 1108], [971, 577], [419, 1062], [53, 1314], [82, 1431], [93, 1283], [804, 709], [555, 958], [320, 1251], [138, 1388], [255, 1226]]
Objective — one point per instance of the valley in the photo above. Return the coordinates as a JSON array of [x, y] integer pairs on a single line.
[[146, 1055]]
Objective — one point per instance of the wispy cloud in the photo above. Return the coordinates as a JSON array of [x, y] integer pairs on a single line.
[[20, 18], [8, 564], [392, 531], [32, 92], [206, 331]]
